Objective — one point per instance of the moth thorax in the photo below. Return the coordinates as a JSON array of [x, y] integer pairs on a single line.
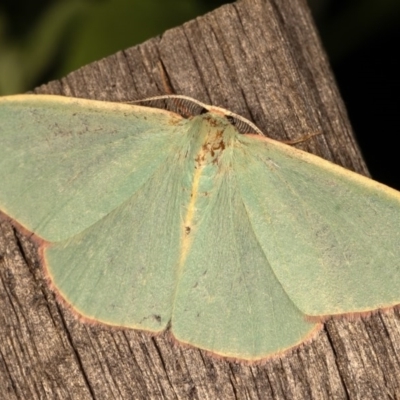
[[211, 149]]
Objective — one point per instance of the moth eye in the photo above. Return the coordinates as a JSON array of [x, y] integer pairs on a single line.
[[203, 111], [231, 119]]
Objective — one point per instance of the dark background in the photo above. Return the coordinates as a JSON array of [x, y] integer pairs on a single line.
[[45, 39]]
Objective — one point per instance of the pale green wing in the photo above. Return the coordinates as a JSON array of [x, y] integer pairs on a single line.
[[332, 237], [228, 299], [65, 163], [122, 270]]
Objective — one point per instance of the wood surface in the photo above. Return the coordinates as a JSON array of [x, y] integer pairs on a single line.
[[263, 60]]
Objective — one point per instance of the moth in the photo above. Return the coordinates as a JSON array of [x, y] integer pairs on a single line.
[[236, 243]]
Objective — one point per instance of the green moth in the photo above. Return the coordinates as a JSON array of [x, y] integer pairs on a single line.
[[237, 244]]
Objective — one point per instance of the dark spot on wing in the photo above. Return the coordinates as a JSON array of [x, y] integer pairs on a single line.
[[157, 318]]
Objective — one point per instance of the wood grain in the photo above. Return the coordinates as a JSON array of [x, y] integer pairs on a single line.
[[263, 60]]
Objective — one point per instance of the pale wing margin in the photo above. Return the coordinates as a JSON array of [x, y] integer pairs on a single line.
[[65, 163], [332, 237]]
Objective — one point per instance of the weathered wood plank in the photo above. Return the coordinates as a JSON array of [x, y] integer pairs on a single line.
[[261, 59]]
